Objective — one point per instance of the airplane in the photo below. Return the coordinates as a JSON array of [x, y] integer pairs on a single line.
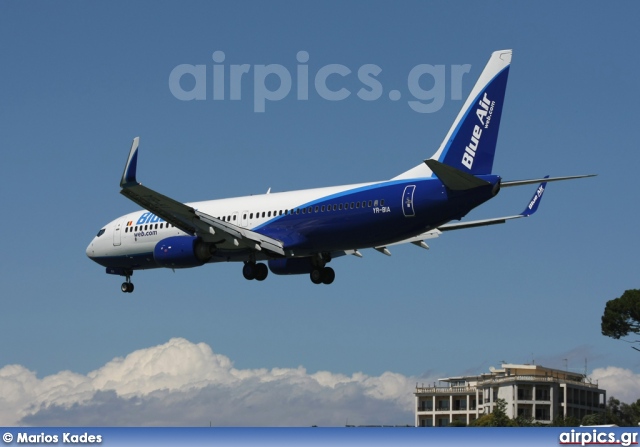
[[300, 232]]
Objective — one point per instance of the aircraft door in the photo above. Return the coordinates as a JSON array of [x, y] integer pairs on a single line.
[[117, 237], [245, 219], [407, 201]]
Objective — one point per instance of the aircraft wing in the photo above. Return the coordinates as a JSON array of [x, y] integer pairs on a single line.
[[190, 220]]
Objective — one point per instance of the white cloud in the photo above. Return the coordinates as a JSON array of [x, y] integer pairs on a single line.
[[182, 383], [623, 384]]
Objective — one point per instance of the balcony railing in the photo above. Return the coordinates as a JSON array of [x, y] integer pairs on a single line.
[[498, 380], [532, 378], [446, 389]]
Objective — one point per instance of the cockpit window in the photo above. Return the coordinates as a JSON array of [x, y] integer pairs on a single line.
[[100, 233]]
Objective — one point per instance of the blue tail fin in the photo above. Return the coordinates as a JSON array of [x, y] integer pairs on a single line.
[[470, 144]]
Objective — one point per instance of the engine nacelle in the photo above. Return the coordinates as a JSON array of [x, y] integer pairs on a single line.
[[182, 252], [291, 266]]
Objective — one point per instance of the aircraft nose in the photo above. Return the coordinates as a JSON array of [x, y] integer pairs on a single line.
[[89, 251]]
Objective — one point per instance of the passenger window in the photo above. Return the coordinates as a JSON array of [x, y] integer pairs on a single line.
[[269, 214], [335, 207], [382, 202], [357, 204], [340, 207], [369, 203], [322, 208], [316, 209], [156, 226], [351, 205], [234, 217], [263, 214]]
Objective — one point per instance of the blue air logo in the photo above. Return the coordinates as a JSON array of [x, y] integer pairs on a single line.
[[536, 197], [484, 113], [148, 218]]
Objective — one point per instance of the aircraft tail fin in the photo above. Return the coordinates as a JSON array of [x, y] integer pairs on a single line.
[[470, 143]]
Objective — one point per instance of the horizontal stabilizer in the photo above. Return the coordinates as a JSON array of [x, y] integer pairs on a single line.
[[546, 179], [454, 179], [531, 208]]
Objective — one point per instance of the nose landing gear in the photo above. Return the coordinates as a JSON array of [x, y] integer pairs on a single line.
[[127, 286]]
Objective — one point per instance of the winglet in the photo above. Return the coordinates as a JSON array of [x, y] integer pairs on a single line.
[[129, 174], [535, 200]]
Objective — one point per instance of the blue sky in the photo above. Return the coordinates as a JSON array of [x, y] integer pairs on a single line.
[[80, 80]]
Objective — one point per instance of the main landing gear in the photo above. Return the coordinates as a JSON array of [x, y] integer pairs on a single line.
[[324, 275], [251, 270], [127, 286]]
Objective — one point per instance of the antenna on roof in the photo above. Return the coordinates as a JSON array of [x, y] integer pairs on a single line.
[[585, 367]]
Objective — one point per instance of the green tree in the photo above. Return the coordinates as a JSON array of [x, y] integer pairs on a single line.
[[485, 420], [561, 421], [593, 419], [525, 421], [500, 418], [622, 414], [622, 316]]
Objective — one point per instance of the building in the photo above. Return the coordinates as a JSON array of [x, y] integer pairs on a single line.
[[529, 390]]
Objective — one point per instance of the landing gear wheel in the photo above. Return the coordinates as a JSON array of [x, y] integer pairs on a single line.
[[316, 276], [261, 272], [328, 275], [127, 287], [249, 271]]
